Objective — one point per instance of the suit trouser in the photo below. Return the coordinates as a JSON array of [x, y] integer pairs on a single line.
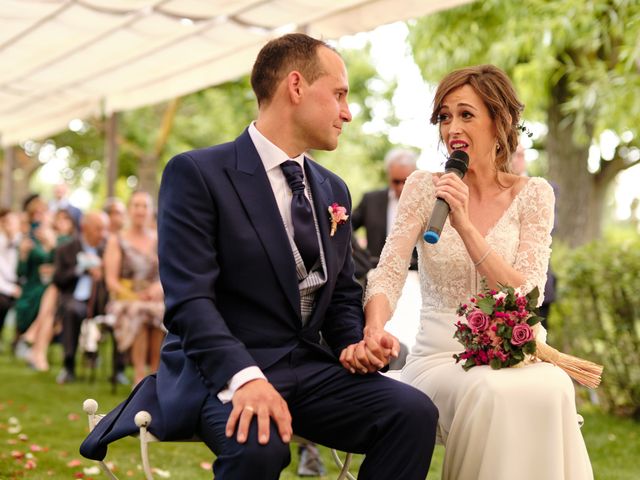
[[6, 303], [392, 423], [73, 313]]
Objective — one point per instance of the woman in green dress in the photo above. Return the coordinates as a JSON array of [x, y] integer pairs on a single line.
[[35, 263]]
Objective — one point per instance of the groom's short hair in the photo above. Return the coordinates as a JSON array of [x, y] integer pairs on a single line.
[[294, 51]]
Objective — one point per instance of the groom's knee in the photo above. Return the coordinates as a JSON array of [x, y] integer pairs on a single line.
[[252, 459], [416, 413]]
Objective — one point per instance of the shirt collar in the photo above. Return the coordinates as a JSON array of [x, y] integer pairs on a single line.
[[86, 247], [271, 155]]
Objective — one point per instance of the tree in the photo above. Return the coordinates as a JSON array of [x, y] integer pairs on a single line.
[[575, 64]]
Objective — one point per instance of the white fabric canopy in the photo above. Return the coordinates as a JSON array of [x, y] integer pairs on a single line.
[[66, 59]]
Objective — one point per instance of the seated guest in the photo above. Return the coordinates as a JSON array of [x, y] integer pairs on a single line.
[[9, 240], [80, 282], [117, 211], [377, 209], [35, 265], [133, 279], [41, 331]]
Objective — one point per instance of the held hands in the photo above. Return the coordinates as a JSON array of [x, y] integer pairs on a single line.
[[372, 353], [259, 398], [451, 189]]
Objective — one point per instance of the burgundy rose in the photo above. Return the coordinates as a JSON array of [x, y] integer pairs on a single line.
[[521, 334], [478, 321]]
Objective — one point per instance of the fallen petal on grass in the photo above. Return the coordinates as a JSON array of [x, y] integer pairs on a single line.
[[74, 463], [17, 454]]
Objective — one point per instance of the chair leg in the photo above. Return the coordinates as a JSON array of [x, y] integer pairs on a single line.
[[90, 407], [143, 420], [344, 467]]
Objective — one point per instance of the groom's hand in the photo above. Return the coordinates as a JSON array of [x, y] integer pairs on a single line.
[[259, 398]]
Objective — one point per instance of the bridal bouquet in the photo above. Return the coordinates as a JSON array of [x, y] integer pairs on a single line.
[[499, 330]]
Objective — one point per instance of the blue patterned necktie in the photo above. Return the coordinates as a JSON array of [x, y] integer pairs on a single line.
[[304, 229]]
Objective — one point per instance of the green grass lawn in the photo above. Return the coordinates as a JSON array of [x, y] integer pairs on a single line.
[[42, 425]]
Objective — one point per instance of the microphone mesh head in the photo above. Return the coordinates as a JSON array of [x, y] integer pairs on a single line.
[[459, 160]]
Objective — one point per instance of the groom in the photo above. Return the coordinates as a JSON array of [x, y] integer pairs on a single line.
[[261, 299]]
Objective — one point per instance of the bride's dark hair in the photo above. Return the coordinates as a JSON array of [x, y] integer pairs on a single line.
[[495, 89]]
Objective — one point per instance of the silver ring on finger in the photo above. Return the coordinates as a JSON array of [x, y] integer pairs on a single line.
[[250, 408]]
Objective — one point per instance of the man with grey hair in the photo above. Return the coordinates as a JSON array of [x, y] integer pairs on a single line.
[[377, 210]]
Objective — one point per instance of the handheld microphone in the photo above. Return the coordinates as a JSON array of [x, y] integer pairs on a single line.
[[457, 163]]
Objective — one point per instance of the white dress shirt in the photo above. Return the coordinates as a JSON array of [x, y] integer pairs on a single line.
[[8, 265], [272, 157]]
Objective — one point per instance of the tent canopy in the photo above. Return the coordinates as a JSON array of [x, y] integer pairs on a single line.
[[66, 59]]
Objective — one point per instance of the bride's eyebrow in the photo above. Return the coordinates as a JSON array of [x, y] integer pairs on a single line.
[[466, 105]]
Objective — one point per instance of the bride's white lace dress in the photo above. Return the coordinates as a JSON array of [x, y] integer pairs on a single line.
[[495, 424]]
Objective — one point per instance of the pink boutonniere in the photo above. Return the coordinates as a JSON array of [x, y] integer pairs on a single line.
[[338, 216]]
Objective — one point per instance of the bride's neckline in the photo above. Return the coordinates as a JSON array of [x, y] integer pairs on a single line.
[[511, 205]]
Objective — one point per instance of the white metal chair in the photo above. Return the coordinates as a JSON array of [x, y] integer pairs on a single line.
[[143, 420]]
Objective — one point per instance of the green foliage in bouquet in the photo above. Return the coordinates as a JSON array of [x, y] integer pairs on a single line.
[[497, 328]]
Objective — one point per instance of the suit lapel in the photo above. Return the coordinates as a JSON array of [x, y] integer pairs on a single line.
[[254, 190]]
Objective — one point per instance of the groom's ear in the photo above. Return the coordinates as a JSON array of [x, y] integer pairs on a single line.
[[295, 86]]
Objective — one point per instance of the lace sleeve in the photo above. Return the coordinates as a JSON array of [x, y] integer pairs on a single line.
[[389, 276], [536, 221]]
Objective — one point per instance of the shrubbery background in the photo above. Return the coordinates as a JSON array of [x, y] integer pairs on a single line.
[[597, 315]]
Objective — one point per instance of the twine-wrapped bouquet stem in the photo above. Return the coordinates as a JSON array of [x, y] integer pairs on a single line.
[[582, 371]]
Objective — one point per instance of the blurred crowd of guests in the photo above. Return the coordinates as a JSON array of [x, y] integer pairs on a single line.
[[73, 277]]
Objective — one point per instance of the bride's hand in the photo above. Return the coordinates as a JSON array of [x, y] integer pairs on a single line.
[[451, 189], [372, 353], [381, 345]]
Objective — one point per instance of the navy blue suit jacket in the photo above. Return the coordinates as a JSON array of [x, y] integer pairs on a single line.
[[231, 292]]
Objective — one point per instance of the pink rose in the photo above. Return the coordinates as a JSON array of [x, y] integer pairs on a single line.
[[478, 321], [521, 334]]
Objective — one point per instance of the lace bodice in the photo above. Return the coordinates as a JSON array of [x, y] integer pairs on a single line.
[[522, 237]]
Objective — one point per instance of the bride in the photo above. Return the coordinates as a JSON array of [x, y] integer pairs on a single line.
[[495, 424]]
